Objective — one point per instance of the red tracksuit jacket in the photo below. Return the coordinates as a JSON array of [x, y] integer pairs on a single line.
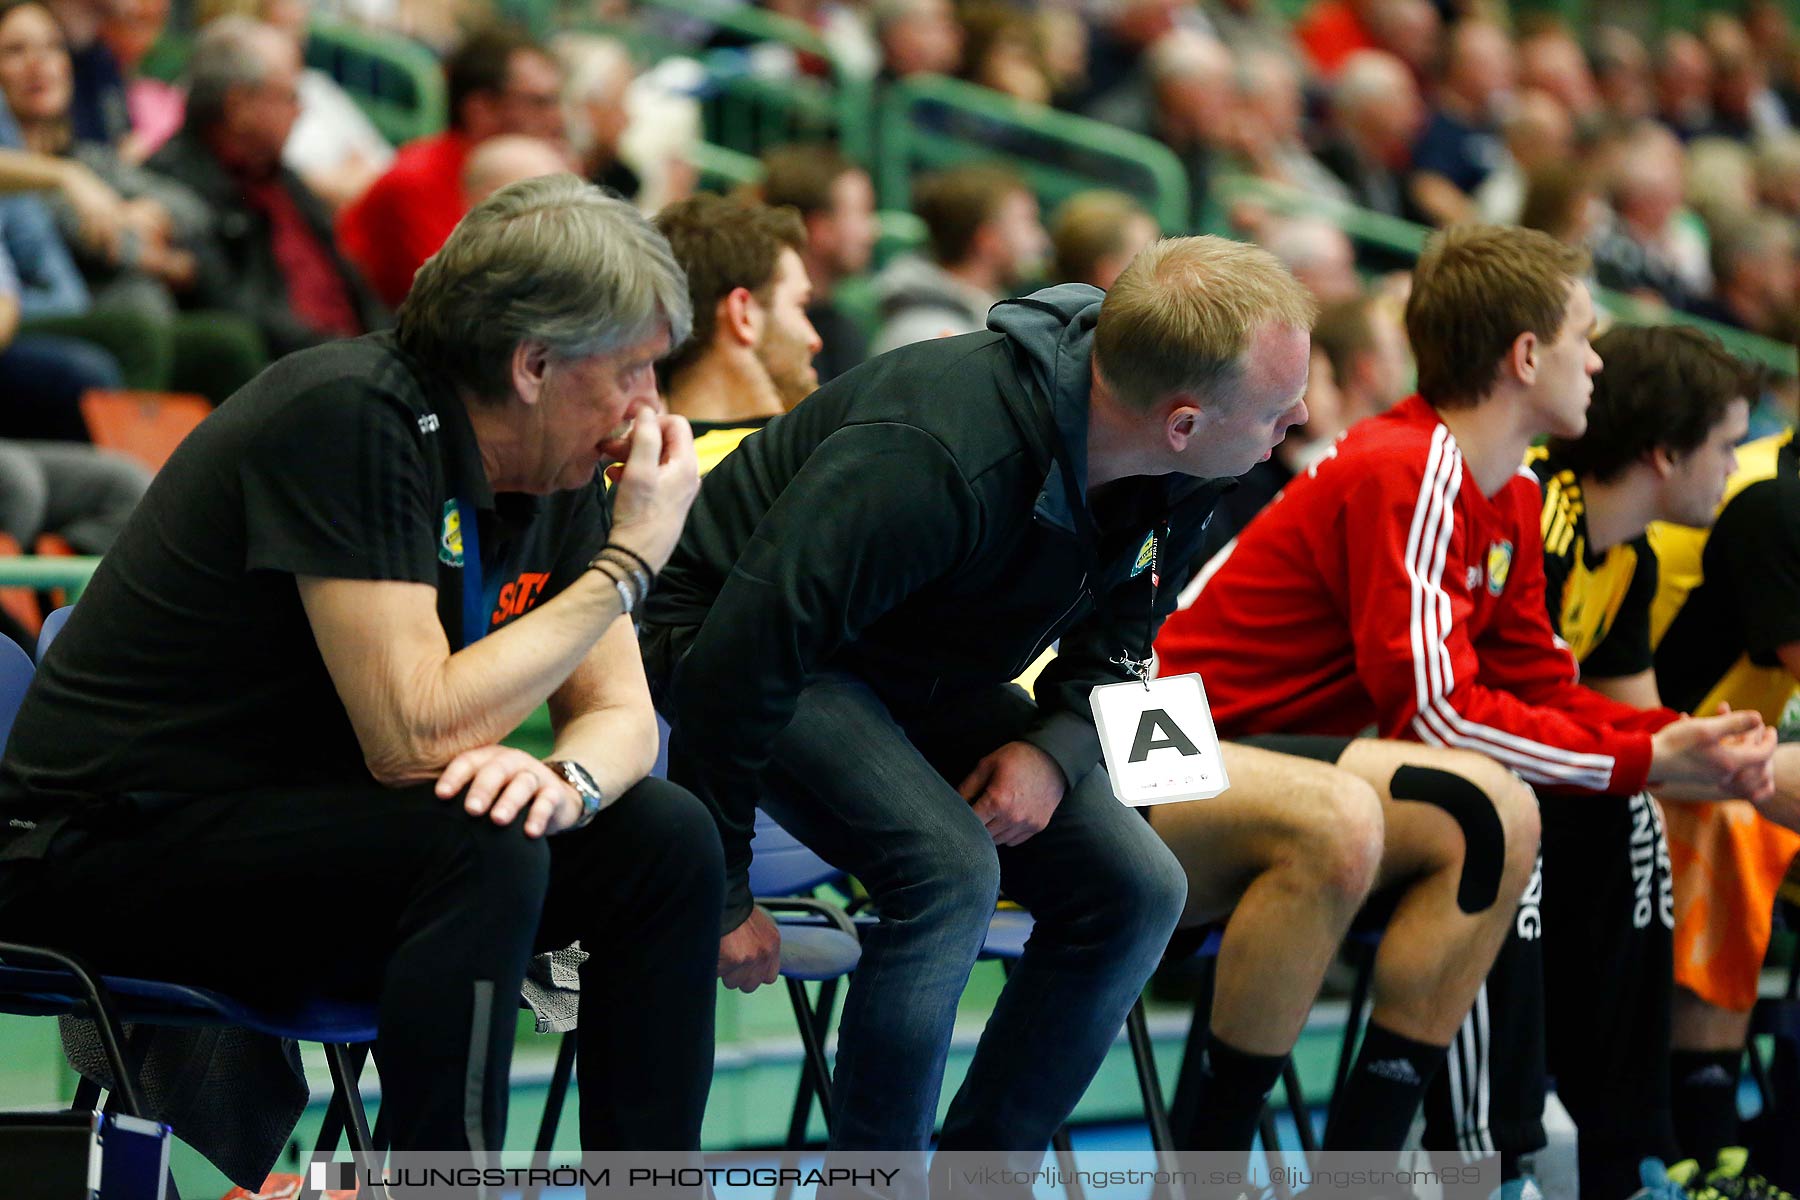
[[1382, 588]]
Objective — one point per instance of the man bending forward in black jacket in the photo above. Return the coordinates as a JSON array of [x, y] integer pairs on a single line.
[[857, 584]]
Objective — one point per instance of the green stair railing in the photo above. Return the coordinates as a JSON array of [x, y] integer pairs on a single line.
[[398, 83], [751, 112], [930, 121], [43, 572]]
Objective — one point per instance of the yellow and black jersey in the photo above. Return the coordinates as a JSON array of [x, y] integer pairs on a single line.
[[713, 440], [1730, 597], [1599, 603]]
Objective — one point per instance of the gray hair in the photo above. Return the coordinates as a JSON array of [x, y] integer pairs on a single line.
[[553, 260], [1188, 54], [227, 54], [1368, 75]]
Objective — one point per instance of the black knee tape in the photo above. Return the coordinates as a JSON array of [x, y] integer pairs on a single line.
[[1484, 838]]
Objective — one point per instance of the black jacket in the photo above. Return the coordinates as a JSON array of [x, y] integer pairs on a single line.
[[238, 271], [922, 522]]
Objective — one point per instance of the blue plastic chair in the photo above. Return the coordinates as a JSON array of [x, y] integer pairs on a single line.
[[52, 626], [819, 945], [42, 981]]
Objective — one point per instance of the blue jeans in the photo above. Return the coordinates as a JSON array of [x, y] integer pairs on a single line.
[[876, 796]]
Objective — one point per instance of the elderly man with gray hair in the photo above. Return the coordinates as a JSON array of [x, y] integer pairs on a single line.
[[273, 723], [270, 253]]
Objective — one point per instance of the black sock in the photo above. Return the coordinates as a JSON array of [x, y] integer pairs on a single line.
[[1382, 1094], [1704, 1088], [1234, 1086]]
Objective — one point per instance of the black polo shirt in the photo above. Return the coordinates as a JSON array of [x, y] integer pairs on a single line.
[[189, 666]]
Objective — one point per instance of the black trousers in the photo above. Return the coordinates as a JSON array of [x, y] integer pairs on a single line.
[[397, 896], [1608, 981]]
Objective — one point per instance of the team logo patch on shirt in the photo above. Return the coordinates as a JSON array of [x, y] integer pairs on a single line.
[[1499, 566], [1146, 554], [450, 550]]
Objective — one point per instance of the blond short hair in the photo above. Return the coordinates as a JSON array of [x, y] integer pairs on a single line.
[[1180, 317], [1091, 226], [1475, 289]]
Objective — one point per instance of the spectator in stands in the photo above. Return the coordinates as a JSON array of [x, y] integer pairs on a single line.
[[632, 131], [1186, 99], [750, 355], [1566, 201], [1001, 52], [1270, 116], [597, 74], [1375, 116], [1622, 73], [1318, 254], [99, 112], [50, 483], [1332, 30], [53, 297], [1720, 180], [917, 37], [333, 146], [1461, 144], [505, 160], [1255, 27], [1647, 249], [1754, 268], [154, 106], [1684, 85], [985, 239], [1778, 174], [1095, 234], [101, 209], [1744, 106], [81, 494], [1413, 32], [57, 486], [272, 236], [42, 375], [1064, 42], [276, 650], [500, 81], [142, 272], [1552, 62], [1121, 34], [836, 203], [1366, 344], [1538, 132]]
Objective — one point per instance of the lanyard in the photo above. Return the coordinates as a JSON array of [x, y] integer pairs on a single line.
[[1140, 667], [475, 605]]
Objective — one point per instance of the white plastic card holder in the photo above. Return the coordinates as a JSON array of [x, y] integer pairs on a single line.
[[1158, 740]]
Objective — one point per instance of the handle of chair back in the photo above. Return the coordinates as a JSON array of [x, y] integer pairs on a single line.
[[111, 1037]]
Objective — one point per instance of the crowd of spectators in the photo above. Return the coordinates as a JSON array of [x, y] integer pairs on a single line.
[[177, 235]]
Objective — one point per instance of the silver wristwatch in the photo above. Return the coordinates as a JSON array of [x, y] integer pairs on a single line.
[[586, 790]]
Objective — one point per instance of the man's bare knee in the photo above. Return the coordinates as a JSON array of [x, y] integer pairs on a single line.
[[1338, 838], [1496, 818]]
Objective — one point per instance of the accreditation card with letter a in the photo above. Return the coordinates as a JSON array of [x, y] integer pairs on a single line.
[[1158, 740]]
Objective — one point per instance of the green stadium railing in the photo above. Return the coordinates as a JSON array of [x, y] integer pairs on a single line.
[[1405, 239], [42, 573], [930, 121], [399, 84], [750, 112]]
